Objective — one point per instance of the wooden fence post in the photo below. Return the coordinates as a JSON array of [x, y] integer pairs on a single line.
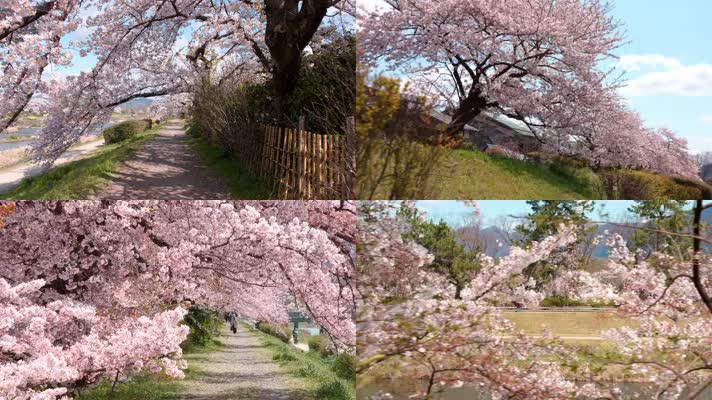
[[350, 164], [300, 158], [315, 193]]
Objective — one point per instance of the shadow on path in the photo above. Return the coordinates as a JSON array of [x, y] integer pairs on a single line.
[[166, 168]]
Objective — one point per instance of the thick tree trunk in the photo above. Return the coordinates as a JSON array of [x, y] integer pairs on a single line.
[[697, 277], [289, 30], [469, 108]]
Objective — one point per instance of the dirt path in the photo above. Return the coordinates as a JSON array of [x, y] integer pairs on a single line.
[[242, 369], [166, 168]]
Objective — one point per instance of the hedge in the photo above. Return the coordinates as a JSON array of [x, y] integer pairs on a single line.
[[641, 185], [124, 130]]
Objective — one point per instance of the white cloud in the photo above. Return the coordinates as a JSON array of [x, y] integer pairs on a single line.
[[371, 5], [684, 80], [636, 62], [699, 143], [705, 119]]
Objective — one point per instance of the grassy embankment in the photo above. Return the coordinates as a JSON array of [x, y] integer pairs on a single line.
[[242, 184], [472, 174], [468, 173], [82, 178]]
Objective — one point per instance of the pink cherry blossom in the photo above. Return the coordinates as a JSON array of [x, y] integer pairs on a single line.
[[92, 290]]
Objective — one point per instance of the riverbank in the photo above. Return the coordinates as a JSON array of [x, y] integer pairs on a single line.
[[10, 158], [80, 172]]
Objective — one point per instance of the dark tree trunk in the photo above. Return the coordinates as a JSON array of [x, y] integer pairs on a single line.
[[469, 108], [289, 30], [697, 278], [458, 292]]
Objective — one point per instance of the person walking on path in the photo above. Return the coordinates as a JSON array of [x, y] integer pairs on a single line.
[[295, 334], [232, 319]]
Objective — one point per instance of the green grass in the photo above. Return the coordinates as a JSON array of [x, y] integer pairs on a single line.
[[145, 387], [472, 174], [212, 345], [82, 178], [152, 386], [242, 184], [319, 372]]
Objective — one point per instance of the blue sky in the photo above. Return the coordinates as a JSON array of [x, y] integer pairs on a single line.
[[453, 212], [668, 63], [677, 91]]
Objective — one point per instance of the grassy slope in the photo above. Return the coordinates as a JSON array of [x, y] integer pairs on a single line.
[[311, 367], [474, 175], [242, 184], [82, 178]]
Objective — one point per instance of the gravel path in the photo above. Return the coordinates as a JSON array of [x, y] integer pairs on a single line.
[[166, 168], [242, 369]]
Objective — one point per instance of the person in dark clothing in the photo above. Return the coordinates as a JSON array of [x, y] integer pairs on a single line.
[[232, 319]]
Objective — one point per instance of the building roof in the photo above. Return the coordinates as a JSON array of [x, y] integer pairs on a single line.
[[446, 119], [511, 123], [488, 117]]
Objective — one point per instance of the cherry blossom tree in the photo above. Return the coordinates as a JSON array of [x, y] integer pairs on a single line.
[[537, 62], [148, 49], [30, 34], [671, 300], [408, 320], [523, 58], [94, 290]]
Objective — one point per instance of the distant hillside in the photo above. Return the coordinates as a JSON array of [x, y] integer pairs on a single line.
[[137, 104], [495, 239]]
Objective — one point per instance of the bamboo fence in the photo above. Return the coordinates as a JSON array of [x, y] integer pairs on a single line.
[[302, 164]]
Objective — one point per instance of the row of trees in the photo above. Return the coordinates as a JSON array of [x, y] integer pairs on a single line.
[[538, 62], [98, 290], [432, 314], [456, 250], [141, 51]]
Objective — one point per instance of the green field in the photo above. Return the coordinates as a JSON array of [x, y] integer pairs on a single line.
[[82, 178], [573, 327]]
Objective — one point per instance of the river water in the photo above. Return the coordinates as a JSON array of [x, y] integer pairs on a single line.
[[29, 132], [17, 144]]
